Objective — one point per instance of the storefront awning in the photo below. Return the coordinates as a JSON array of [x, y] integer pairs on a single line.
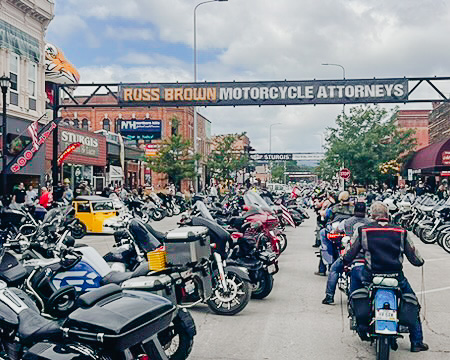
[[433, 158]]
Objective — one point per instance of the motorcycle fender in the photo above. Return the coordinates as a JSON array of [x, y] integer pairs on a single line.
[[185, 320], [238, 270], [426, 223]]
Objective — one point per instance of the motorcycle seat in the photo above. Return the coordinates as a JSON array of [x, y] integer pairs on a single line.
[[157, 234], [33, 327], [116, 277]]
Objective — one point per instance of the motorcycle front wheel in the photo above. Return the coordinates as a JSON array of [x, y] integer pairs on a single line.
[[232, 301], [78, 230], [446, 242], [283, 242], [157, 215], [263, 287], [427, 235], [176, 210], [383, 348]]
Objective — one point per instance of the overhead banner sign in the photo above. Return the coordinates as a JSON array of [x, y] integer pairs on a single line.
[[265, 93], [271, 157], [141, 129]]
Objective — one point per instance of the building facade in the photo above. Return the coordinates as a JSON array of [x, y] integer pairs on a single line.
[[108, 120], [416, 120], [439, 123], [23, 24]]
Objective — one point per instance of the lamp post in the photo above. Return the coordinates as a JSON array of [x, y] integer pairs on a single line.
[[343, 77], [270, 135], [5, 83], [195, 80]]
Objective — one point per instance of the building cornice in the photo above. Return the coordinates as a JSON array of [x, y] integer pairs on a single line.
[[40, 10]]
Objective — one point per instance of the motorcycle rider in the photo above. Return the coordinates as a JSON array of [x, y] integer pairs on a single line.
[[348, 226], [384, 245], [336, 213]]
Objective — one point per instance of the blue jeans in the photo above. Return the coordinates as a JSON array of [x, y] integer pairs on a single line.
[[337, 269], [361, 276], [326, 247]]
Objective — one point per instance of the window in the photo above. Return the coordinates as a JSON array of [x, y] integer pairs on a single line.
[[76, 123], [32, 76], [106, 125], [85, 124], [84, 207], [14, 77]]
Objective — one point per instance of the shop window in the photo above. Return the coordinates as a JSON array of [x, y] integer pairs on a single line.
[[85, 124], [76, 123], [14, 62], [106, 125], [32, 76]]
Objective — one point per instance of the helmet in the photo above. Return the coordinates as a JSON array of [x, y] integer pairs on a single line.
[[344, 196]]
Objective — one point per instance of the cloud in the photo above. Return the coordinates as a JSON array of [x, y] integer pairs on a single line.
[[129, 33], [262, 40]]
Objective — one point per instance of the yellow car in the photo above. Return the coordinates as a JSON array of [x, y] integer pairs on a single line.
[[92, 211]]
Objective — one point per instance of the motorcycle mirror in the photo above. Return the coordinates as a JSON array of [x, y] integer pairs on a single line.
[[69, 241]]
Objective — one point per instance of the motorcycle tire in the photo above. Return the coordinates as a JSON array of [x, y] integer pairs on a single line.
[[263, 287], [169, 212], [446, 242], [240, 291], [176, 210], [157, 215], [176, 341], [383, 348], [145, 217], [427, 236], [283, 242], [79, 230]]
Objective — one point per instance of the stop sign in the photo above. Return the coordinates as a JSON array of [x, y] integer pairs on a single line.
[[345, 174]]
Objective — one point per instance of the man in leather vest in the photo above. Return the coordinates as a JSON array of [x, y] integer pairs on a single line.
[[384, 246], [336, 213]]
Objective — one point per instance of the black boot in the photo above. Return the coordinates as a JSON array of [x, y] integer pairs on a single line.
[[419, 347], [328, 300]]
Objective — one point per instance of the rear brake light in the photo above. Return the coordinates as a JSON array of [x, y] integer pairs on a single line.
[[334, 236], [143, 357]]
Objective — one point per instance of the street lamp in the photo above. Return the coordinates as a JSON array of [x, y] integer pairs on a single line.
[[270, 135], [343, 76], [195, 80], [5, 83]]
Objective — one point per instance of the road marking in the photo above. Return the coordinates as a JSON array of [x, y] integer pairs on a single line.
[[433, 290], [437, 259]]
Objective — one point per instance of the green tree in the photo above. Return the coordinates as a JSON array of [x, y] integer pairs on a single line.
[[225, 159], [277, 173], [175, 157], [363, 142]]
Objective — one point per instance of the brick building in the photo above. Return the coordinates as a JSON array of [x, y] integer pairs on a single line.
[[108, 119], [416, 120], [439, 122]]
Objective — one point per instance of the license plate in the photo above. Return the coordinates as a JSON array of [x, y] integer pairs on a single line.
[[271, 269], [387, 315]]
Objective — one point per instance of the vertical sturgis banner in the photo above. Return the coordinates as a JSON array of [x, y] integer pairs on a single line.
[[265, 93]]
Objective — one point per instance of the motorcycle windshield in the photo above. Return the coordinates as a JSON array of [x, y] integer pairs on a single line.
[[201, 207], [51, 214], [144, 239], [253, 199]]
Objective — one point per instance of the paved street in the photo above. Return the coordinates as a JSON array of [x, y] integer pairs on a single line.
[[293, 324]]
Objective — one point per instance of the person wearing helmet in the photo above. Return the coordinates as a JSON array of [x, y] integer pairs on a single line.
[[336, 213], [384, 246], [68, 193]]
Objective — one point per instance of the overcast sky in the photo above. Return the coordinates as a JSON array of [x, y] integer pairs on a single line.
[[152, 40]]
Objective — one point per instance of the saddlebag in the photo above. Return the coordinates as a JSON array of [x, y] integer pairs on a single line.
[[360, 305], [409, 310], [120, 321], [187, 245]]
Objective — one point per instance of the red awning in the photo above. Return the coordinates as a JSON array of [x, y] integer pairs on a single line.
[[433, 157]]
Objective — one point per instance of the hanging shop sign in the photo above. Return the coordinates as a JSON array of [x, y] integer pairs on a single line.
[[29, 150], [151, 150], [89, 144], [141, 129], [265, 93], [446, 158], [69, 150], [271, 156]]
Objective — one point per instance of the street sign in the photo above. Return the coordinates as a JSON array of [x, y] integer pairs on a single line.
[[345, 174]]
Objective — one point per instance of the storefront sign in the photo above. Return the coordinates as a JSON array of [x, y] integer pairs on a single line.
[[151, 149], [69, 150], [28, 152], [141, 129], [445, 173], [446, 158], [89, 145], [271, 157], [265, 93]]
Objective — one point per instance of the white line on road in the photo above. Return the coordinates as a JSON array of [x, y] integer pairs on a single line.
[[437, 259], [433, 290]]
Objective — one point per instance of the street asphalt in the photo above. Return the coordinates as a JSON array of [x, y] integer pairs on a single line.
[[291, 323]]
